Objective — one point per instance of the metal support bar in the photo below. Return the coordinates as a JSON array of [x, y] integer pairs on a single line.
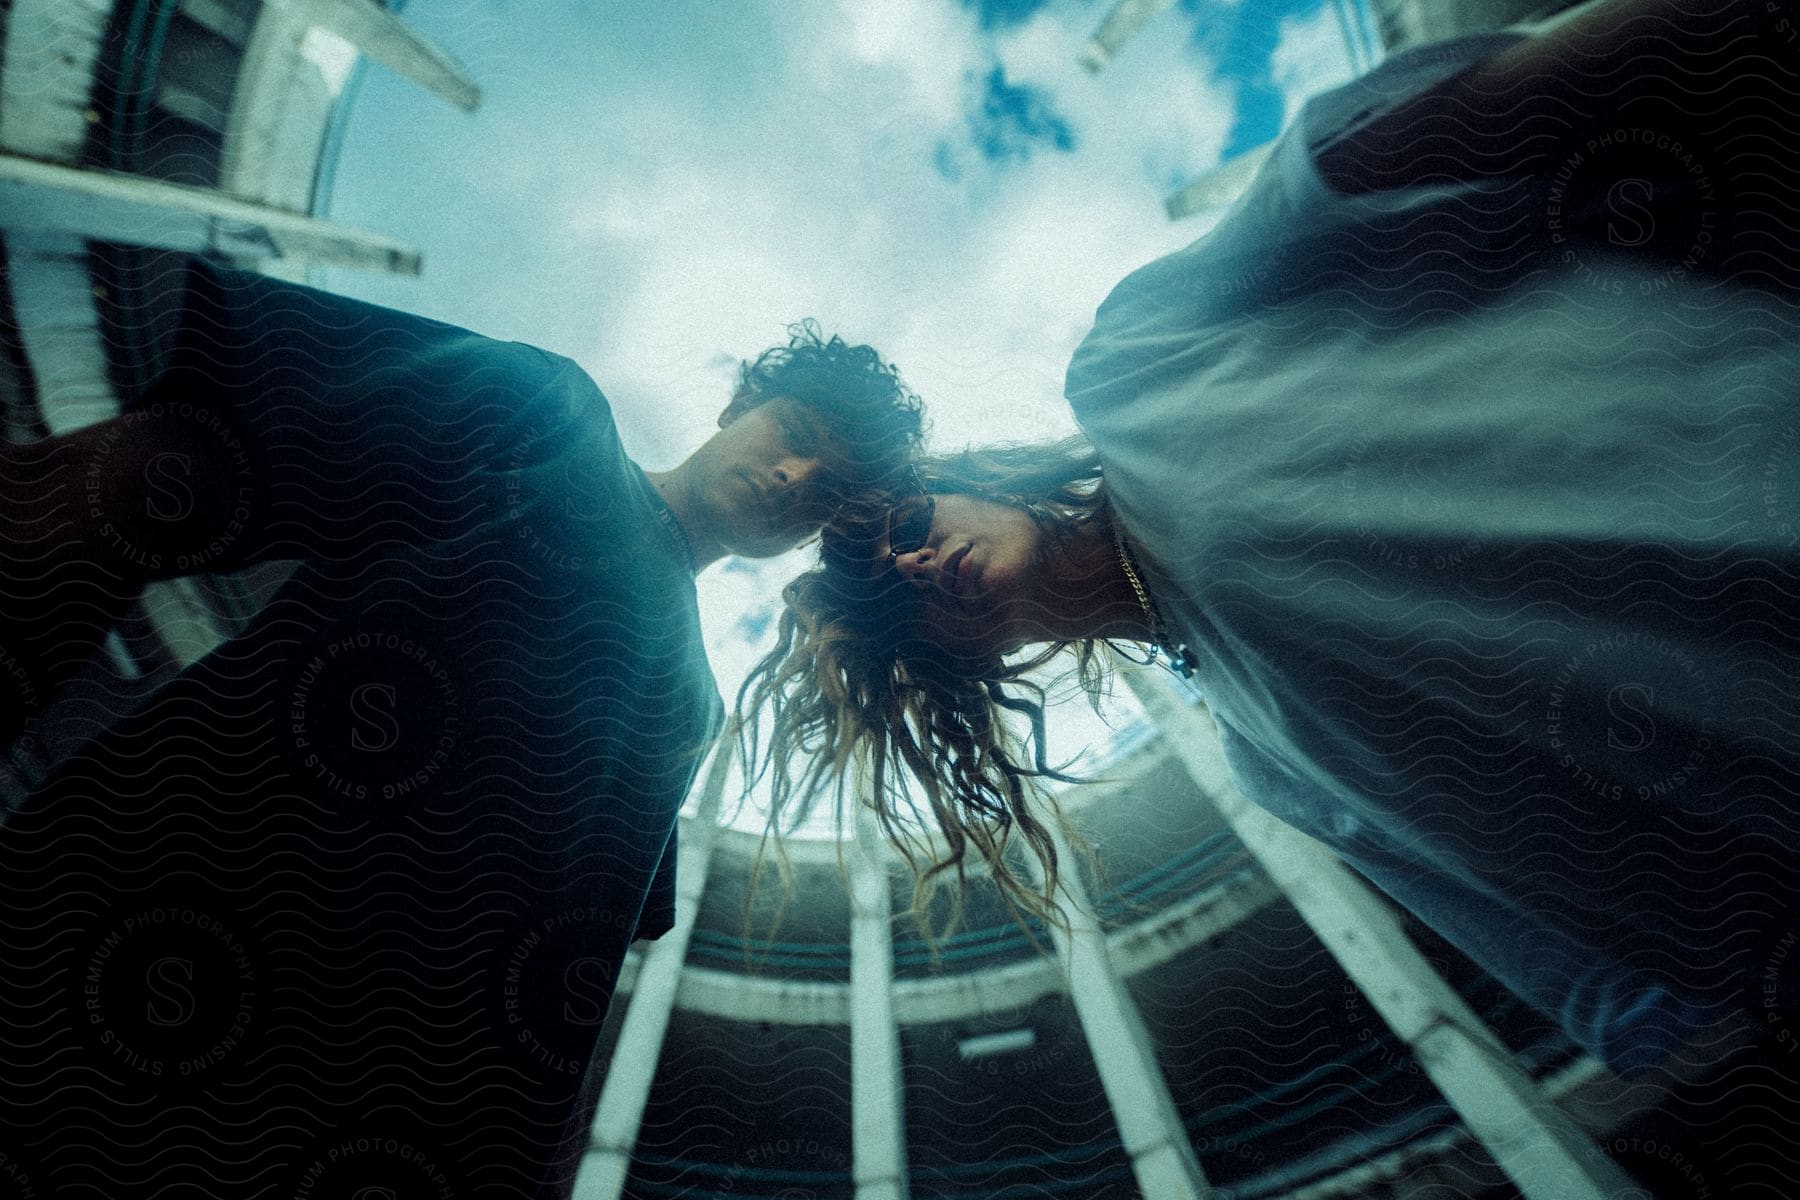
[[1118, 27], [47, 61], [221, 18], [393, 43], [1545, 1153], [877, 1108], [1149, 1124], [182, 619], [620, 1113], [1218, 187], [108, 206]]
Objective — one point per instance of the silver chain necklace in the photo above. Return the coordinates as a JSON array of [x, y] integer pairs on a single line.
[[1181, 659]]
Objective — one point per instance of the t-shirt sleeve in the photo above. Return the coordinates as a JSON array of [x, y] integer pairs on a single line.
[[361, 428]]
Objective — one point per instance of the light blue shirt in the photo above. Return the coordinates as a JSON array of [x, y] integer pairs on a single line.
[[1482, 526]]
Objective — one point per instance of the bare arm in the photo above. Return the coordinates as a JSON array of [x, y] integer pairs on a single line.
[[1685, 67]]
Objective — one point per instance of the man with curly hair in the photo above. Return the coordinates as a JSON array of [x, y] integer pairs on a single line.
[[364, 875]]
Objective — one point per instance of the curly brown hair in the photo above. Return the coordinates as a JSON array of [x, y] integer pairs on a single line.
[[851, 679], [876, 421]]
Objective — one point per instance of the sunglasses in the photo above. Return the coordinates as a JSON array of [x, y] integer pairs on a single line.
[[909, 519]]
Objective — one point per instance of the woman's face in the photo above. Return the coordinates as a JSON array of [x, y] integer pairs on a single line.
[[974, 573]]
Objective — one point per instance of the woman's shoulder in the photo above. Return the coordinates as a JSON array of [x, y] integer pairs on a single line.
[[1260, 249]]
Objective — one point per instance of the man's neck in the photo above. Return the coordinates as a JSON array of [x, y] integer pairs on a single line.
[[676, 487]]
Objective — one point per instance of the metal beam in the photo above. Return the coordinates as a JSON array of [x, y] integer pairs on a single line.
[[1218, 187], [1543, 1151], [877, 1109], [1118, 27], [1149, 1124], [182, 619], [57, 324], [935, 999], [620, 1113], [280, 112], [384, 37], [110, 206]]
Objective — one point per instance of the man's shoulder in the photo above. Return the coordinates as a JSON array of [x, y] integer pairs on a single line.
[[551, 402], [559, 377]]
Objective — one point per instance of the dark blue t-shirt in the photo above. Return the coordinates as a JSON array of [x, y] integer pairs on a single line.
[[343, 906]]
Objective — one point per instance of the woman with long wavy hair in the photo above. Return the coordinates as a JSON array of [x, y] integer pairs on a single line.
[[1457, 466], [851, 675]]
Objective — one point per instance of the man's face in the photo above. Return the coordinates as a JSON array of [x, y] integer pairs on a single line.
[[769, 478]]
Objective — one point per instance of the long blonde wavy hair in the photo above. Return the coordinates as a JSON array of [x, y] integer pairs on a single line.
[[851, 679]]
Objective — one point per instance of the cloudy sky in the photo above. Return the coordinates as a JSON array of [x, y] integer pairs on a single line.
[[656, 188]]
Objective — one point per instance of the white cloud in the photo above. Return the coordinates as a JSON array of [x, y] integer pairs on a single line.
[[677, 183], [1310, 57], [331, 54], [927, 46]]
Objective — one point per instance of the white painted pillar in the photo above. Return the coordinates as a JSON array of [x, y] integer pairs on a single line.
[[1219, 187], [110, 206], [1545, 1153], [183, 619], [1121, 22], [877, 1108], [390, 41], [620, 1112], [1162, 1157], [47, 61]]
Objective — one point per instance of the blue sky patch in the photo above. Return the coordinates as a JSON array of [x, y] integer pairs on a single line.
[[1240, 39], [1002, 14], [1012, 120], [943, 161]]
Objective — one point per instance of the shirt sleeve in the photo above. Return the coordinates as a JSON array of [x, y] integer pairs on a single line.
[[1628, 1019], [1287, 234], [359, 428]]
